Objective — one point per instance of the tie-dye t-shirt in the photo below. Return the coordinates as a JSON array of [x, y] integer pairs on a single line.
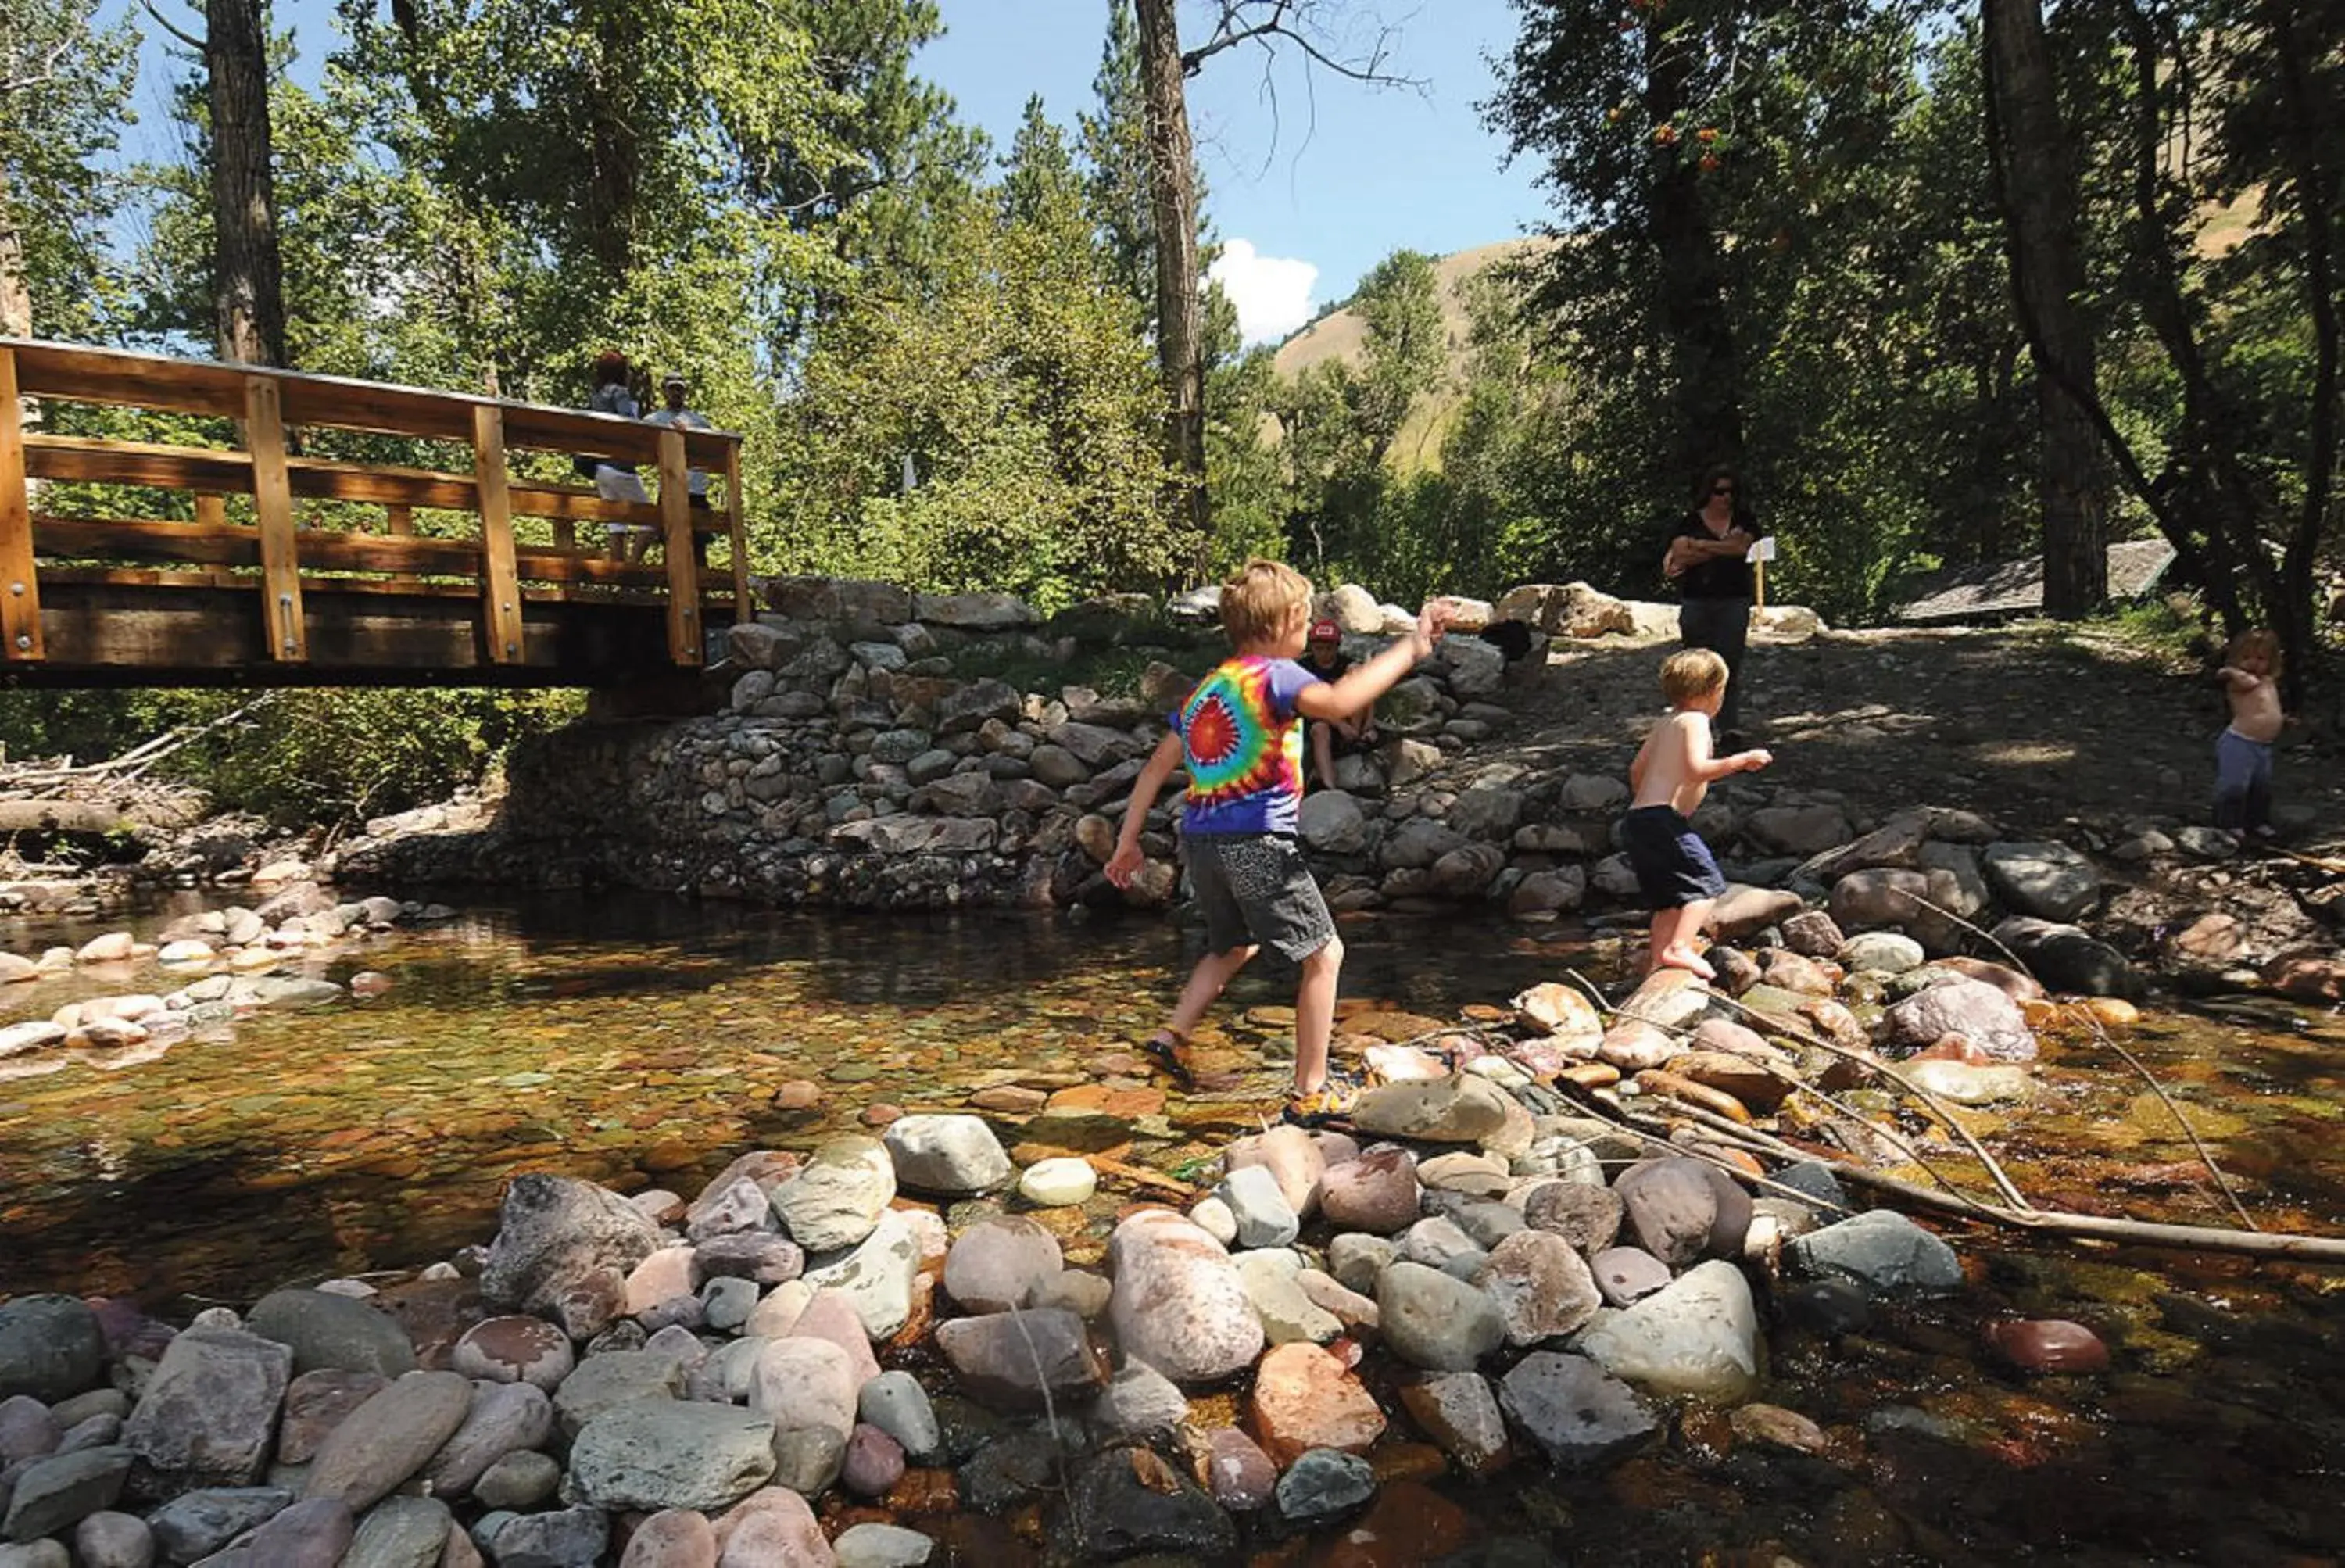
[[1243, 747]]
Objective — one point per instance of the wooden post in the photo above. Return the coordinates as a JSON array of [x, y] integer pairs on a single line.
[[272, 505], [20, 583], [400, 520], [211, 511], [734, 527], [500, 583], [1759, 581], [683, 571]]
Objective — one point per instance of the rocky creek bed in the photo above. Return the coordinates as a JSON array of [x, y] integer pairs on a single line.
[[1535, 1303], [953, 1280]]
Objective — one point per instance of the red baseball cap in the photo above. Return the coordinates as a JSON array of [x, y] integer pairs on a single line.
[[1325, 631]]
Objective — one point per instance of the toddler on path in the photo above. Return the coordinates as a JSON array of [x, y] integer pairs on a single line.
[[1238, 736], [1671, 775], [2243, 752]]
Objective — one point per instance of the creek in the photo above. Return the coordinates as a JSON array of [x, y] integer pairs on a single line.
[[639, 1041]]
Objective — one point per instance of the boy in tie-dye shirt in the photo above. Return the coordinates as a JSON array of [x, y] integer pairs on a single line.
[[1239, 738]]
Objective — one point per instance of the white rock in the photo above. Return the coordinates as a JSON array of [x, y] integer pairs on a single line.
[[1057, 1183]]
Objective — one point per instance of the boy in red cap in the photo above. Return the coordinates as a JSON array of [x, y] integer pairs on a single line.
[[1324, 656]]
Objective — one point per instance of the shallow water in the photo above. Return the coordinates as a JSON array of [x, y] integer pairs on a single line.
[[641, 1042]]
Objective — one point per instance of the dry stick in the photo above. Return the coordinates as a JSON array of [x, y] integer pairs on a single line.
[[2060, 1222], [1994, 1172], [2205, 1155]]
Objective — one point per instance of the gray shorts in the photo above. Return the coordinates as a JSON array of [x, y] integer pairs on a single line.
[[1255, 888]]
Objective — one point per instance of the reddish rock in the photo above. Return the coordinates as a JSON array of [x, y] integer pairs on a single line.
[[831, 1318], [2048, 1345], [1236, 1472], [2307, 975], [1954, 1048], [672, 1538], [1795, 972], [772, 1528], [1774, 1424], [798, 1094], [881, 1114], [315, 1404], [1377, 1193], [874, 1462], [1304, 1399], [664, 1276], [1291, 1157], [513, 1350], [1011, 1099]]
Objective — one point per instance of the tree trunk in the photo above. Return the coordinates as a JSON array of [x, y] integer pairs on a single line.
[[2303, 155], [2038, 192], [1707, 367], [617, 186], [247, 274], [16, 288], [1180, 335]]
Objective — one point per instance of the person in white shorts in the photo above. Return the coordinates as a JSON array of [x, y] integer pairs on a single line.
[[619, 481]]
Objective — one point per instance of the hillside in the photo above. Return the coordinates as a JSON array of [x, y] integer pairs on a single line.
[[1337, 337]]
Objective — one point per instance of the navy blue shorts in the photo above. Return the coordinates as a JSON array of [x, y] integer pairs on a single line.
[[1672, 864]]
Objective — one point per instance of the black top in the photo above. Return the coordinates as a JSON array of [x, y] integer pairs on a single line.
[[1327, 671], [1720, 578]]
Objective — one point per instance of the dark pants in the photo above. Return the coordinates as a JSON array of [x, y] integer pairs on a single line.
[[2243, 770], [1723, 627]]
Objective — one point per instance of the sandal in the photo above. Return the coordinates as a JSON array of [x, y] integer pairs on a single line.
[[1327, 1105], [1169, 1053]]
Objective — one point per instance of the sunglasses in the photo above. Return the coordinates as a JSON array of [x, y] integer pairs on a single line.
[[1721, 490]]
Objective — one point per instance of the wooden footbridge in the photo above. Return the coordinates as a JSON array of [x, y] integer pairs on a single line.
[[302, 530]]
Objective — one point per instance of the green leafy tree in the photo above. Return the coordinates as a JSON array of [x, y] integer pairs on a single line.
[[65, 91]]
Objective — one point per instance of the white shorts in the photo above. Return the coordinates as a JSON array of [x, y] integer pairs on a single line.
[[618, 485]]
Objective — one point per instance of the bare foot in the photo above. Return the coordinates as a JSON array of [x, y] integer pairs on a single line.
[[1677, 955]]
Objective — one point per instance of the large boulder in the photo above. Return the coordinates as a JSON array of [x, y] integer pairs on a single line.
[[1575, 1410], [389, 1438], [1462, 1108], [2070, 958], [949, 1155], [1332, 823], [563, 1249], [671, 1454], [836, 1200], [1697, 1335], [1435, 1320], [1973, 1009], [1880, 1251], [1178, 1303], [2048, 881], [1024, 1359], [208, 1415], [51, 1347], [999, 1264], [324, 1330]]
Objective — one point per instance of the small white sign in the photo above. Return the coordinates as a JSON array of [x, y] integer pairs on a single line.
[[1763, 550]]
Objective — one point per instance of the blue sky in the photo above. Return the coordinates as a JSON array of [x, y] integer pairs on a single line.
[[1312, 179]]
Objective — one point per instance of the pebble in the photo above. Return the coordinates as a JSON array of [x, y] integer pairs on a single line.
[[1458, 1411], [1001, 1262], [2048, 1345], [1178, 1303], [871, 1545], [1579, 1414], [1259, 1207], [949, 1156], [389, 1438], [1324, 1484], [519, 1481], [108, 1540], [1057, 1182]]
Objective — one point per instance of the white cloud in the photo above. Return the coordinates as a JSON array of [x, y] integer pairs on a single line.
[[1272, 293]]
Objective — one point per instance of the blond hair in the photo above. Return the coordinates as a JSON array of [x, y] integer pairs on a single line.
[[1263, 600], [2262, 641], [1690, 675]]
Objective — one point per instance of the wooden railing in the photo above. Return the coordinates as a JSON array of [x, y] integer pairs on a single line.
[[470, 547]]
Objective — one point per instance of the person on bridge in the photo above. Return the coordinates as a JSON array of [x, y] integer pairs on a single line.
[[695, 480], [619, 481]]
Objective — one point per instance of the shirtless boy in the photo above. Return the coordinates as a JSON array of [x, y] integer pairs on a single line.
[[2243, 752], [1672, 774]]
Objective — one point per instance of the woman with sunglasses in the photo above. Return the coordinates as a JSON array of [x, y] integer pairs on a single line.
[[1708, 560]]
